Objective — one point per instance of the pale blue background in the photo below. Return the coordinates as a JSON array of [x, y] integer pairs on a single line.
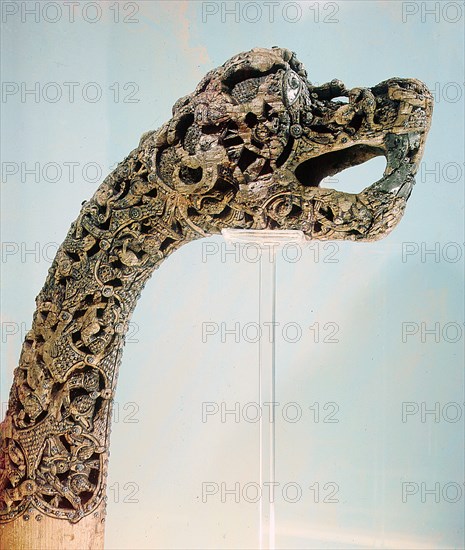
[[369, 291]]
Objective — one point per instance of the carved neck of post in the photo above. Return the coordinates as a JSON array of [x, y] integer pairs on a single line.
[[55, 438], [248, 149]]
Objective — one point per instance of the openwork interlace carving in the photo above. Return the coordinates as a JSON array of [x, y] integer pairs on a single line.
[[246, 150]]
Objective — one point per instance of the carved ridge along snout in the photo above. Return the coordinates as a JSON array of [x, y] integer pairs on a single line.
[[248, 150]]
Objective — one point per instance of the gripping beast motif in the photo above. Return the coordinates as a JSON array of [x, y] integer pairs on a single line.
[[246, 150]]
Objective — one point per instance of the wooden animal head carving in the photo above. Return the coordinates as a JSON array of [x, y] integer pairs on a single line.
[[246, 150], [250, 146]]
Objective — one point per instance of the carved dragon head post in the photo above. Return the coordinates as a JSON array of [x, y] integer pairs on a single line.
[[248, 150]]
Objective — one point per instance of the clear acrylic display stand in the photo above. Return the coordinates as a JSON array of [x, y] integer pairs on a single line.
[[269, 241]]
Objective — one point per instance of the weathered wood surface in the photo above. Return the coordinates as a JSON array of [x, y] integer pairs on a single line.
[[246, 150]]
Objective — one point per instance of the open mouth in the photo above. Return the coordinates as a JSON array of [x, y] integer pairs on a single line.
[[326, 213], [262, 161], [311, 172], [401, 152]]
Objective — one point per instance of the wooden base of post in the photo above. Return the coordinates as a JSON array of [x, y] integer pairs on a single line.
[[49, 533]]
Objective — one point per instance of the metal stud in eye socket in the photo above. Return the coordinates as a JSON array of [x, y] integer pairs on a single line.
[[293, 82], [292, 87]]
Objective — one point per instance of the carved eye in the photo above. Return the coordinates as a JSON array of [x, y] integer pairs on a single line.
[[292, 87]]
